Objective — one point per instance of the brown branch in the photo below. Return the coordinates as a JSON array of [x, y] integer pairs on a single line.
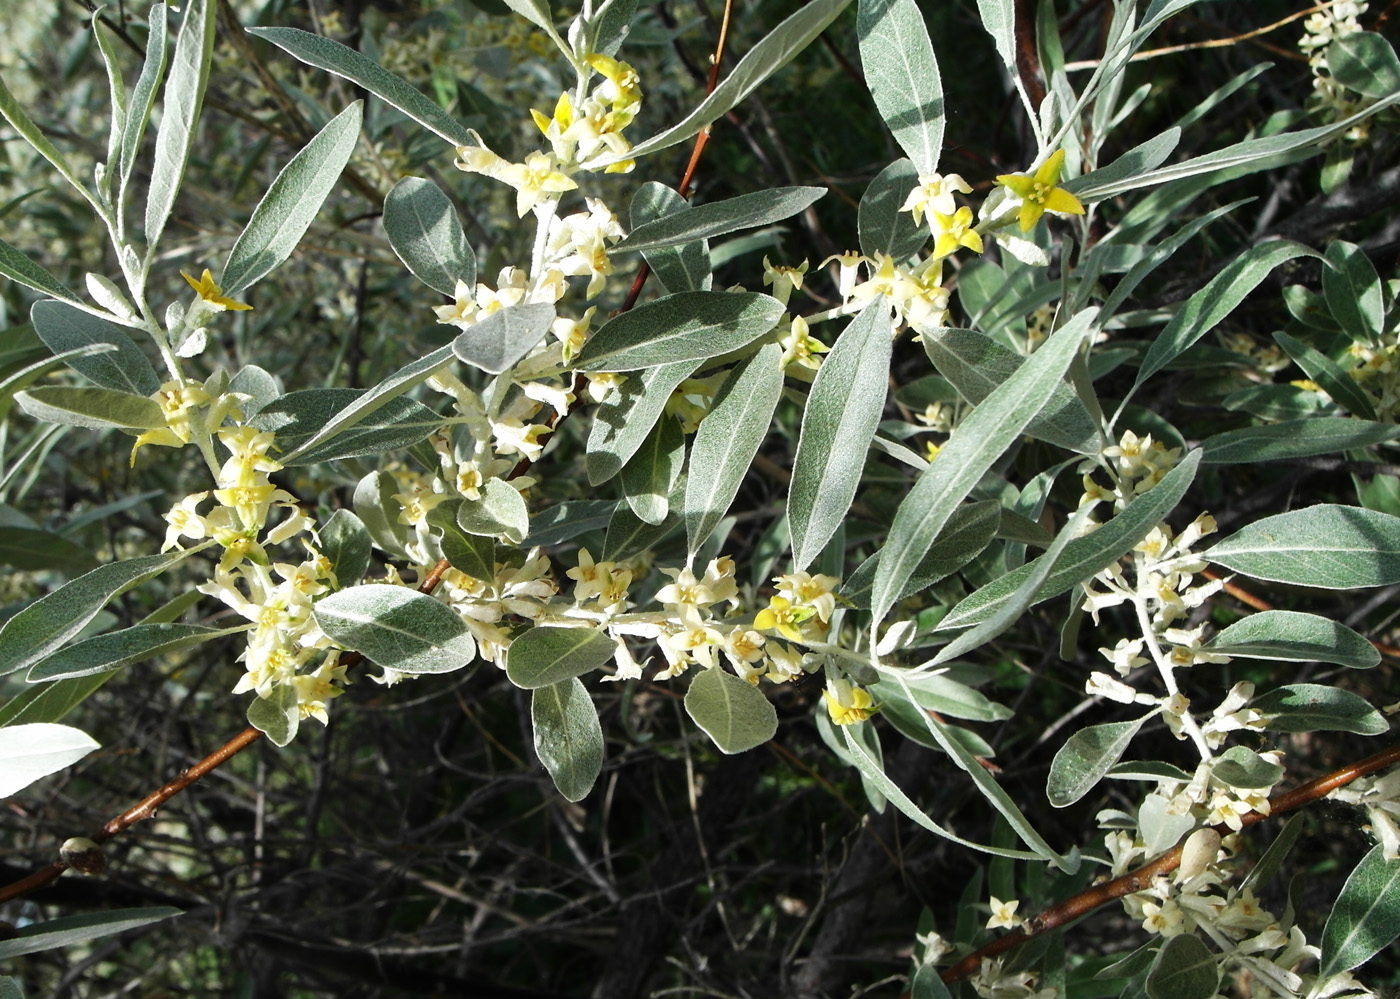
[[1027, 61]]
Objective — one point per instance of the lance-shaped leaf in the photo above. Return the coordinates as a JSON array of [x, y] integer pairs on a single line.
[[33, 550], [1366, 916], [397, 628], [1185, 969], [30, 374], [627, 415], [332, 56], [882, 227], [978, 442], [1084, 759], [969, 530], [94, 408], [1241, 767], [143, 98], [17, 266], [504, 337], [54, 618], [843, 410], [1328, 545], [473, 554], [184, 95], [650, 476], [1364, 61], [291, 203], [124, 367], [67, 931], [1141, 158], [116, 649], [424, 230], [629, 535], [298, 416], [1313, 707], [546, 655], [727, 440], [691, 325], [679, 268], [21, 122], [747, 211], [568, 738], [1292, 636], [771, 54], [731, 711], [902, 74], [1328, 374], [1353, 292], [29, 752], [567, 520], [1294, 439]]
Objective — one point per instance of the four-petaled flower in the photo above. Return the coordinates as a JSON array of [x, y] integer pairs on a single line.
[[212, 293], [953, 231], [1040, 193]]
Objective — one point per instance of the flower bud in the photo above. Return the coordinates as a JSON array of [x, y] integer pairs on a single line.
[[83, 855], [1198, 853]]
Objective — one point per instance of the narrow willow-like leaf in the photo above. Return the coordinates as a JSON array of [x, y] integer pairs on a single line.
[[629, 535], [547, 655], [1329, 375], [56, 617], [611, 25], [473, 554], [691, 325], [882, 227], [291, 203], [32, 550], [999, 18], [978, 442], [124, 368], [568, 737], [1185, 969], [771, 54], [1352, 289], [1146, 156], [50, 702], [1364, 61], [567, 520], [21, 122], [1085, 758], [69, 930], [116, 649], [731, 711], [902, 74], [747, 211], [1293, 636], [184, 96], [1206, 309], [332, 56], [1083, 557], [727, 440], [424, 230], [843, 410], [679, 268], [504, 337], [1159, 253], [968, 531], [30, 752], [143, 98], [17, 266], [30, 374], [1366, 916], [627, 415], [93, 408], [1327, 545], [651, 475], [1268, 865], [1314, 707], [397, 628], [1294, 439], [116, 92], [937, 692]]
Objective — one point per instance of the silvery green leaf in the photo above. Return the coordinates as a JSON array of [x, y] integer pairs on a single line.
[[31, 549], [968, 531], [1239, 766], [999, 18], [1353, 292], [1331, 546], [184, 95], [260, 387], [1268, 865], [611, 25], [1293, 636], [568, 738], [1294, 439], [332, 56], [50, 702], [567, 520], [978, 442], [397, 627], [116, 649], [1085, 758], [537, 12], [651, 475], [627, 415], [629, 535], [21, 122], [17, 266], [424, 230], [732, 712], [747, 211], [504, 337], [298, 416], [728, 438], [1159, 253], [771, 54], [277, 715], [1143, 157], [690, 325], [1365, 62], [842, 412], [1365, 918], [69, 930], [124, 367], [679, 268], [882, 227], [1147, 770], [291, 204], [473, 554], [500, 512], [902, 74], [29, 752], [116, 90], [31, 373], [143, 98], [947, 696], [1185, 969], [548, 655], [377, 509], [1313, 707], [346, 542], [94, 408]]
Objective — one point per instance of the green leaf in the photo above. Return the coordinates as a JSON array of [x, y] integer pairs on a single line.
[[1331, 546], [143, 98], [116, 649], [611, 24], [17, 266], [690, 325], [771, 54], [323, 53], [425, 232], [945, 695], [627, 415], [500, 512], [566, 521], [1293, 636], [883, 228], [14, 114], [1294, 439], [679, 268], [57, 616], [1329, 375], [545, 655], [652, 473], [747, 211], [123, 368], [276, 715], [1365, 62], [1366, 916], [378, 510], [568, 738], [184, 95], [628, 535], [843, 410], [470, 553], [346, 542], [1085, 758], [537, 12], [968, 531], [69, 930], [1159, 254], [504, 337], [32, 550], [978, 442], [999, 18], [902, 74], [1136, 161], [732, 712], [1185, 969], [1269, 864], [30, 752], [1312, 707], [50, 702], [1352, 289], [291, 203], [1206, 309], [94, 408], [397, 628], [300, 416], [1086, 556], [728, 438], [1242, 767]]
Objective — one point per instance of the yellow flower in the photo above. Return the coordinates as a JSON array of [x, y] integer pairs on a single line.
[[782, 616], [955, 230], [625, 90], [847, 703], [1039, 193], [212, 293]]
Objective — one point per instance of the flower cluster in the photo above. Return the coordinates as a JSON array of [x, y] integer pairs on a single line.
[[1135, 464], [1321, 29]]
